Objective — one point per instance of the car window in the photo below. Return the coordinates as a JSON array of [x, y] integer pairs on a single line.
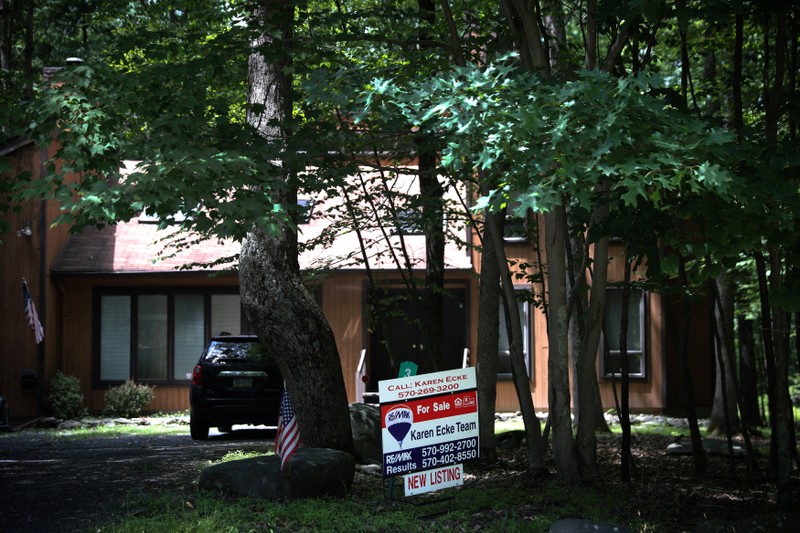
[[229, 350]]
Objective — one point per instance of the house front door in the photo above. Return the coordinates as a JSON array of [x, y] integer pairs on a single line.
[[396, 335]]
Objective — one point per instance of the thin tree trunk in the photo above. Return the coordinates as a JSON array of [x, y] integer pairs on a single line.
[[493, 236], [285, 316], [558, 352], [587, 398], [533, 430], [724, 413], [748, 380], [783, 412], [624, 413], [682, 333], [722, 370], [488, 341], [6, 35], [769, 355], [431, 192]]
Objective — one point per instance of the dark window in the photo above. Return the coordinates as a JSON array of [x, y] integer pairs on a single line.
[[409, 222], [503, 348], [515, 229], [612, 362], [305, 210], [159, 336]]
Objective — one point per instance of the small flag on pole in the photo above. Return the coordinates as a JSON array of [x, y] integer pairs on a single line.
[[288, 436], [30, 313]]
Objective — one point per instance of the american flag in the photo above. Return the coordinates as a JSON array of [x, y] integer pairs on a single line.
[[288, 437], [30, 313]]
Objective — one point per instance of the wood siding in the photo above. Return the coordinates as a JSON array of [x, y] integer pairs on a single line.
[[29, 257], [342, 304]]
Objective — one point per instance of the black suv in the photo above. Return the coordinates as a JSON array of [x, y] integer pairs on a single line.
[[234, 382]]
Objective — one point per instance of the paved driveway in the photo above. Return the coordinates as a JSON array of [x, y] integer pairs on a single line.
[[56, 483]]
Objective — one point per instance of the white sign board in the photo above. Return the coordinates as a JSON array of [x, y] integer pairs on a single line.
[[429, 421], [437, 479]]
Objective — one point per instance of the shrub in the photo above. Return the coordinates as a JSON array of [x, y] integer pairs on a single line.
[[128, 400], [66, 399]]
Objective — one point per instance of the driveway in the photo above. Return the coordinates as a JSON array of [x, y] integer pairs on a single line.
[[51, 483]]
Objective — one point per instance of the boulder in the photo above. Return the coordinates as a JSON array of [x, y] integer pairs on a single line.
[[311, 473], [365, 423], [574, 525]]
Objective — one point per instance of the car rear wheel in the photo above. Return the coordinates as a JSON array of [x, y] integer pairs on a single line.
[[198, 430]]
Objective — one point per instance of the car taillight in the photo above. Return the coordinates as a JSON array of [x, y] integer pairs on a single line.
[[197, 376]]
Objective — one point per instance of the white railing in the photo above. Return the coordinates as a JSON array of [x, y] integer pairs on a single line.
[[361, 376], [465, 358]]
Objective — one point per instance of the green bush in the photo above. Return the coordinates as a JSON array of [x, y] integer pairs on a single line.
[[128, 400], [66, 399]]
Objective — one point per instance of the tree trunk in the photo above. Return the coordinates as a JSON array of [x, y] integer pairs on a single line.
[[6, 35], [748, 374], [783, 408], [284, 315], [588, 399], [624, 411], [431, 193], [488, 335], [522, 385], [725, 401], [682, 333], [558, 352]]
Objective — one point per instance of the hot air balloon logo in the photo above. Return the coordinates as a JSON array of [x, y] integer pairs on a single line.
[[398, 421]]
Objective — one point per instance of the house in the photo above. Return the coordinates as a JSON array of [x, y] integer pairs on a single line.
[[113, 309]]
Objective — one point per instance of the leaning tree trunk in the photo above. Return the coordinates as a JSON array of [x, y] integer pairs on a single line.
[[283, 314], [519, 371]]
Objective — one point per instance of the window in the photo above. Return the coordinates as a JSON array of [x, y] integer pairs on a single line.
[[516, 229], [305, 210], [503, 347], [612, 364], [409, 222], [158, 337]]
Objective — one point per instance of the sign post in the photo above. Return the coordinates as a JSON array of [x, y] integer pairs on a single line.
[[429, 427]]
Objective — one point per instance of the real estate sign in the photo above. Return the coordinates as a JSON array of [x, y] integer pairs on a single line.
[[429, 422]]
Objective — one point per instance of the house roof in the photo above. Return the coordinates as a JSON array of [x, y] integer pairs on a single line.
[[134, 247], [138, 246]]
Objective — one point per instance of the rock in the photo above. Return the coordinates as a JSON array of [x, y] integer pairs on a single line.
[[573, 525], [70, 424], [48, 422], [511, 439], [711, 446], [365, 423], [313, 473], [371, 469], [777, 522]]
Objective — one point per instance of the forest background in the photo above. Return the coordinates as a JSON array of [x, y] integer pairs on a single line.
[[670, 125]]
